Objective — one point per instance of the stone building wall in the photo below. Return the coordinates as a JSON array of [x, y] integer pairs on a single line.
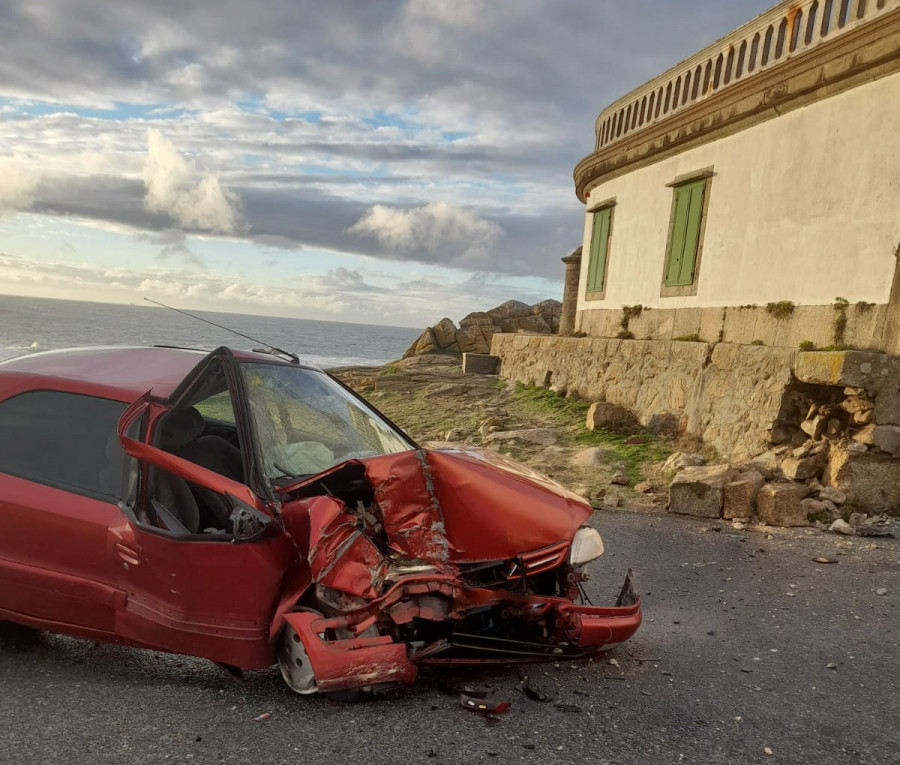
[[857, 325]]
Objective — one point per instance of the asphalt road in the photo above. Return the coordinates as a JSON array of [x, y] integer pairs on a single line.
[[732, 659]]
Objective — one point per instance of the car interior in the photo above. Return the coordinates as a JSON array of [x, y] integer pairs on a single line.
[[209, 441]]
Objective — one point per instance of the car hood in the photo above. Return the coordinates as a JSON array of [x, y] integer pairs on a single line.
[[460, 506]]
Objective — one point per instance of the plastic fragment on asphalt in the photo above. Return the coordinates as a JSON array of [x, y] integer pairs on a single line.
[[485, 707], [263, 717]]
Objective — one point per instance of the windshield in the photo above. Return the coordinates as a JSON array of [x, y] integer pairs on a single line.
[[304, 422]]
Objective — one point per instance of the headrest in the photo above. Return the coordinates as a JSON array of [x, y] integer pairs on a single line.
[[178, 428]]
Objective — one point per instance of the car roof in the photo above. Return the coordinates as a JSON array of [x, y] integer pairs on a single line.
[[128, 371]]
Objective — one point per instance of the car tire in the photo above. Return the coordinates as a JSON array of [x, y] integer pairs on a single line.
[[296, 668]]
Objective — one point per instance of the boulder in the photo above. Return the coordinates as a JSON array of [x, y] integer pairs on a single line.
[[815, 426], [620, 479], [841, 526], [424, 344], [870, 480], [739, 496], [509, 308], [818, 510], [780, 504], [533, 323], [476, 319], [602, 414], [678, 461], [857, 404], [864, 418], [477, 329], [766, 464], [472, 341], [865, 435], [801, 468], [829, 494], [887, 438], [700, 490], [444, 333]]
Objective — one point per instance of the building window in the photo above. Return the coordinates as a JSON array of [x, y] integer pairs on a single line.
[[689, 202], [601, 230]]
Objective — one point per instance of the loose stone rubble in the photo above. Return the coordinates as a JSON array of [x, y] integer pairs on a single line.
[[834, 448]]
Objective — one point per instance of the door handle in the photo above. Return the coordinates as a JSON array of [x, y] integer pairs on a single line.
[[128, 554]]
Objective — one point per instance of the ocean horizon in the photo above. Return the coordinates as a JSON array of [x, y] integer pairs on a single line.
[[30, 324]]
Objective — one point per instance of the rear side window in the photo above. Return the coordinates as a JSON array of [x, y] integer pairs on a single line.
[[65, 440]]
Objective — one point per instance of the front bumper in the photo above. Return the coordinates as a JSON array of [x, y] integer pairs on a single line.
[[595, 627], [574, 631]]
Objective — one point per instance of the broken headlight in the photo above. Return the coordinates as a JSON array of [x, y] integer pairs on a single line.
[[586, 546]]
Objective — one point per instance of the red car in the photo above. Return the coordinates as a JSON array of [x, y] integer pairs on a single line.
[[248, 509]]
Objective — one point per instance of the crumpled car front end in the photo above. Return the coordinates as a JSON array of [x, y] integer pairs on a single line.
[[439, 557]]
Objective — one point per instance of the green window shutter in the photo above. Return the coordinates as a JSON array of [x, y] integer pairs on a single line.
[[599, 243], [685, 237]]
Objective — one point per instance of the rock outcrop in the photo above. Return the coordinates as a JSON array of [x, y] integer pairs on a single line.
[[476, 330]]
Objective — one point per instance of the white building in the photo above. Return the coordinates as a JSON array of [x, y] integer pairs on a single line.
[[752, 192]]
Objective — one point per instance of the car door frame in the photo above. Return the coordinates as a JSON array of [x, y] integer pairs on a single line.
[[208, 595]]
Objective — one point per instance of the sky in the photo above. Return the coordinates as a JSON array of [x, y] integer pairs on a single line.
[[376, 161]]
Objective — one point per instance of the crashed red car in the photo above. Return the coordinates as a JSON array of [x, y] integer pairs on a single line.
[[248, 509]]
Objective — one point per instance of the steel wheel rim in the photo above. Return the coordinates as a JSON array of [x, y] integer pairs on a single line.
[[296, 668]]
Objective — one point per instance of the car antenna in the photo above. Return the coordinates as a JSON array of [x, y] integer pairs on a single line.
[[270, 349]]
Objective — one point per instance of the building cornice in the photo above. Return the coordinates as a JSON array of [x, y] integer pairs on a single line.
[[863, 53]]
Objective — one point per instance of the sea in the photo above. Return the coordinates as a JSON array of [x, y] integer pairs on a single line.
[[29, 325]]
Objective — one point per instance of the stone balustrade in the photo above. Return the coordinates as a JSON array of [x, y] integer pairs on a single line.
[[784, 32]]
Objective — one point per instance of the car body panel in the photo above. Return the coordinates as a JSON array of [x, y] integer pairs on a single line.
[[55, 561]]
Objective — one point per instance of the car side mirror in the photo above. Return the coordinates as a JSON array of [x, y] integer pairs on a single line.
[[247, 523]]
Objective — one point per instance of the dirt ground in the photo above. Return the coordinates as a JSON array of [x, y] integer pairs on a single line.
[[431, 399]]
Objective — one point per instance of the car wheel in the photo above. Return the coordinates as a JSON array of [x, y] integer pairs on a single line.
[[297, 670], [294, 663]]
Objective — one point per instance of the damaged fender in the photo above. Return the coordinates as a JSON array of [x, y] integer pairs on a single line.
[[353, 663]]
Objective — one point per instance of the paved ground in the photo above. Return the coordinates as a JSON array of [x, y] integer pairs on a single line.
[[733, 658]]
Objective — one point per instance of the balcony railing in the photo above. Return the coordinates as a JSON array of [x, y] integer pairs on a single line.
[[781, 33]]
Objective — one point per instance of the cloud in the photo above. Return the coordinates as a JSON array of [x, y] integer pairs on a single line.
[[345, 279], [175, 186], [18, 185], [174, 247], [424, 131], [437, 227]]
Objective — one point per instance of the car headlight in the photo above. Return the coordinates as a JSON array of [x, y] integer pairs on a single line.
[[586, 546]]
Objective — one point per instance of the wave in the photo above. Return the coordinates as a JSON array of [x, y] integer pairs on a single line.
[[12, 351]]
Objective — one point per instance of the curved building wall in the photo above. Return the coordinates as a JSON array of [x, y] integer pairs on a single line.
[[804, 207]]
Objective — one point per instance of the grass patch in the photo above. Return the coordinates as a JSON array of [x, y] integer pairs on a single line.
[[573, 413], [693, 338]]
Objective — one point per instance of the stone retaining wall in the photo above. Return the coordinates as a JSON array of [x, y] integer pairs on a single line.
[[728, 395]]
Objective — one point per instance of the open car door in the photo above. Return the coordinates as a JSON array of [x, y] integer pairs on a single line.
[[203, 594]]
